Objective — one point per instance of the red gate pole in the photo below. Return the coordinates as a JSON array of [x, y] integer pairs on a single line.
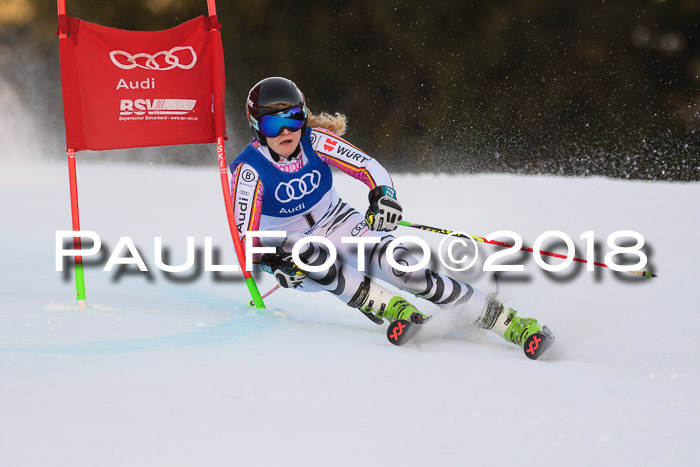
[[211, 4], [223, 166], [75, 213]]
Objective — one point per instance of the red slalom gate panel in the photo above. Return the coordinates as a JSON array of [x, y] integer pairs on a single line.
[[126, 89]]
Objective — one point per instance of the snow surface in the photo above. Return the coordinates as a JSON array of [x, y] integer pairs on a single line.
[[177, 370]]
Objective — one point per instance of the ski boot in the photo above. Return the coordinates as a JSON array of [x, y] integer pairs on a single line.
[[524, 332], [377, 303]]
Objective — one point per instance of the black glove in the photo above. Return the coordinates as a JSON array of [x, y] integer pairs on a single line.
[[384, 212], [281, 265]]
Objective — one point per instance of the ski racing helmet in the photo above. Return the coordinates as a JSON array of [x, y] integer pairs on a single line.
[[282, 102]]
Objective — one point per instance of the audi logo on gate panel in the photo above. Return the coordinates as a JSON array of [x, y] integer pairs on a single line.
[[162, 61], [297, 188]]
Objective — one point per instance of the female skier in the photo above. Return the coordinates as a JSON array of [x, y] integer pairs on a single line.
[[282, 181]]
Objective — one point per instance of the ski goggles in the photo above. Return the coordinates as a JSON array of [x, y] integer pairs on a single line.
[[292, 119]]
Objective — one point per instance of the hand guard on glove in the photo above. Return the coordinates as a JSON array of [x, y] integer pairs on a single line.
[[281, 265], [384, 212]]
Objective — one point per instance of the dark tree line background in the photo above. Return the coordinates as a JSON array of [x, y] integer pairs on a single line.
[[529, 86]]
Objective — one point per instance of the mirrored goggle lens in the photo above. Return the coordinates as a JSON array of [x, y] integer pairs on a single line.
[[292, 119]]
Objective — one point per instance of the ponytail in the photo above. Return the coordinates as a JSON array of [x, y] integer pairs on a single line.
[[334, 123]]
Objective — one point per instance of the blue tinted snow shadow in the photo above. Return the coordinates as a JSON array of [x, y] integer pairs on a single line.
[[238, 329]]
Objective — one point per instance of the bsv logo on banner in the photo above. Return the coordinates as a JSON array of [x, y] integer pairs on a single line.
[[162, 61], [297, 188], [156, 106]]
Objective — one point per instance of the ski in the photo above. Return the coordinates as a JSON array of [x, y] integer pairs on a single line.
[[535, 345], [401, 331]]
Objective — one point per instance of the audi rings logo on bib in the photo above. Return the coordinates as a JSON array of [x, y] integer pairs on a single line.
[[297, 188], [177, 57]]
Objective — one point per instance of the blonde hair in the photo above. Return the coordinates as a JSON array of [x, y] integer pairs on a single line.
[[334, 123]]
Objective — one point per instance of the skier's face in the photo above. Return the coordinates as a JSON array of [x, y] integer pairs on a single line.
[[285, 143]]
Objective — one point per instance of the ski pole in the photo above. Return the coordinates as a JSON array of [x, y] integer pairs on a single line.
[[265, 295], [647, 274]]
